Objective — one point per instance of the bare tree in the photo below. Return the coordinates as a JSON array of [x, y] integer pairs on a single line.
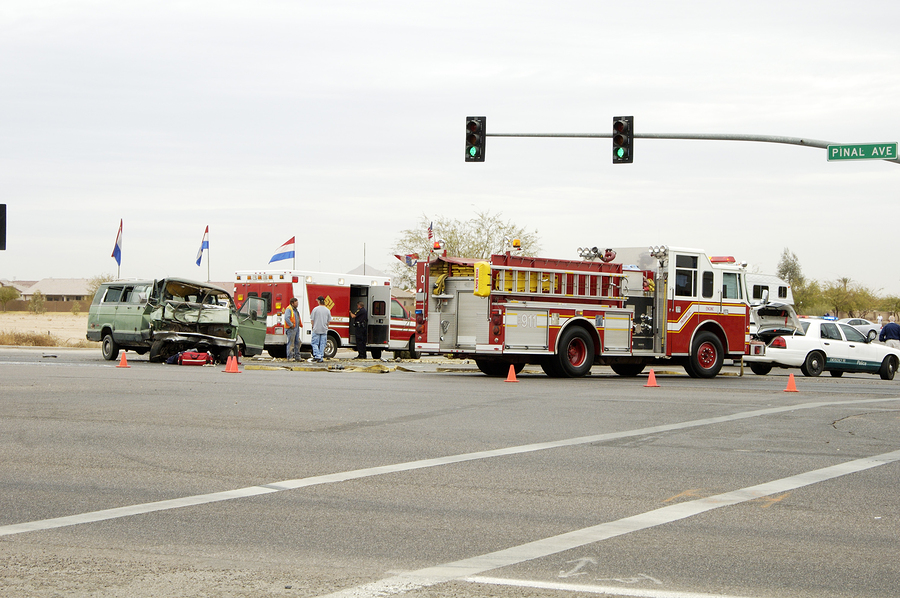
[[479, 237]]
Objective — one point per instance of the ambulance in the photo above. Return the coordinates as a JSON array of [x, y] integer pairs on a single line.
[[342, 292]]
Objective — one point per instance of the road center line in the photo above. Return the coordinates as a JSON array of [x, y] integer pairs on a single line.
[[469, 568], [201, 499]]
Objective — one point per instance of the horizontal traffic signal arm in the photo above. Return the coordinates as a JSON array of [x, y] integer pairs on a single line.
[[696, 136]]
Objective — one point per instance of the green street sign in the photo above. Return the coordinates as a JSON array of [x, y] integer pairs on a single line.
[[863, 151]]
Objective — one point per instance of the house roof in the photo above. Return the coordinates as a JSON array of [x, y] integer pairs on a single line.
[[72, 287]]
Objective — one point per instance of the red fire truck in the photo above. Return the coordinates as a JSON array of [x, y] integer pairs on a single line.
[[341, 292], [626, 308]]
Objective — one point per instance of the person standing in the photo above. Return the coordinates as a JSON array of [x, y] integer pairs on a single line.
[[890, 334], [361, 320], [292, 328], [321, 317]]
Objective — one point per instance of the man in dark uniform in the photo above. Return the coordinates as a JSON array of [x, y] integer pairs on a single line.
[[361, 320]]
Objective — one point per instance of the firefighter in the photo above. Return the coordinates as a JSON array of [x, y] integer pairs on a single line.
[[361, 320], [292, 327]]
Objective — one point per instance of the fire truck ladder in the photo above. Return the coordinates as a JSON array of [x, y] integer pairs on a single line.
[[536, 282]]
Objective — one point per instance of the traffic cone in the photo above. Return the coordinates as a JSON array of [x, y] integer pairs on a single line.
[[123, 363], [791, 387], [512, 374], [651, 380], [231, 366]]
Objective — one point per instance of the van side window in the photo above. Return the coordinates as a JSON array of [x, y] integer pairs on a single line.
[[112, 295], [782, 292]]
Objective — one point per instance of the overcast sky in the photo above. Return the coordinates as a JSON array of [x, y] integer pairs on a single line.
[[342, 123]]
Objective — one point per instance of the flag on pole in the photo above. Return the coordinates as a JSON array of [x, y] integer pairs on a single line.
[[203, 245], [409, 259], [117, 250], [284, 252], [430, 231]]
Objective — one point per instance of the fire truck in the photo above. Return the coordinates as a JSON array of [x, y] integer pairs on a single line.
[[341, 291], [627, 308]]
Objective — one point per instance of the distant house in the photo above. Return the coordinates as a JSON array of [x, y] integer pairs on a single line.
[[53, 289], [19, 285]]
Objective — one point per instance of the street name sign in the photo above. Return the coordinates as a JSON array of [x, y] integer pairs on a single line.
[[863, 151]]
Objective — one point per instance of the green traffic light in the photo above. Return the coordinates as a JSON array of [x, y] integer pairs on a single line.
[[473, 151], [620, 152]]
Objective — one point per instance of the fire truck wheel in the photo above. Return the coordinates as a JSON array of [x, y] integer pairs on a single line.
[[576, 353], [549, 367], [707, 355], [628, 370], [490, 367], [331, 347], [760, 369], [814, 364]]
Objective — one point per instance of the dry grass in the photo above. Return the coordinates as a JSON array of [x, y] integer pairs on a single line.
[[35, 339]]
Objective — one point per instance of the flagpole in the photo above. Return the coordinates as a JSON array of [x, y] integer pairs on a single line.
[[207, 264]]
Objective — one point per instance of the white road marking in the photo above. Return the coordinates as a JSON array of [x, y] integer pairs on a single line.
[[470, 567], [190, 501], [591, 589]]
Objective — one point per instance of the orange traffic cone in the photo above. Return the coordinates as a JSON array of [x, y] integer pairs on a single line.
[[512, 374], [123, 363], [791, 387], [231, 366], [651, 380]]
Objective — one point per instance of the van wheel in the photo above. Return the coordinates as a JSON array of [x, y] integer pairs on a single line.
[[331, 347], [376, 353], [160, 351], [109, 347]]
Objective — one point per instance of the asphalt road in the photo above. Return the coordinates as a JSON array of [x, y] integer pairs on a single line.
[[187, 481]]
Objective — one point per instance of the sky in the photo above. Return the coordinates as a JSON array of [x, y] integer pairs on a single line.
[[341, 123]]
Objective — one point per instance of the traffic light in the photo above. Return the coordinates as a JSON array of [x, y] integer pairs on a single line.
[[2, 226], [623, 139], [476, 131]]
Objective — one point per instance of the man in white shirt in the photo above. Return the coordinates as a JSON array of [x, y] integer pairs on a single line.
[[321, 317]]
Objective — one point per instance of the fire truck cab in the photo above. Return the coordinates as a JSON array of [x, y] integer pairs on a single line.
[[626, 308], [342, 292]]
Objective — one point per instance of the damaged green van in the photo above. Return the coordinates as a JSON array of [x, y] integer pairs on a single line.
[[165, 317]]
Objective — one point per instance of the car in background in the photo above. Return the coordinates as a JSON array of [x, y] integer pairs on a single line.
[[823, 345], [171, 315], [869, 329]]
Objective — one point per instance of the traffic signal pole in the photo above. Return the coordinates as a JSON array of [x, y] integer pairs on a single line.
[[694, 136]]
